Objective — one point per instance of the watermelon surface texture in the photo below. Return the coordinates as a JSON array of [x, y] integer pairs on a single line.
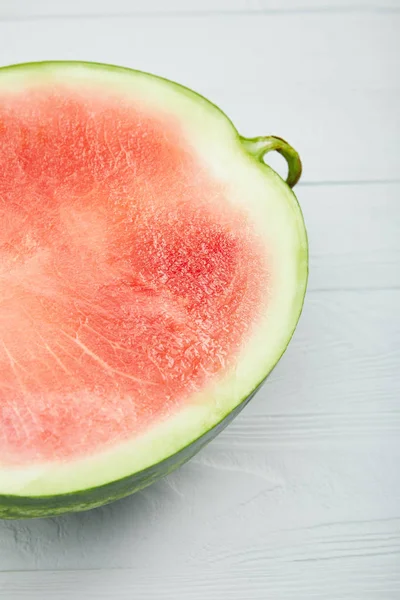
[[152, 272]]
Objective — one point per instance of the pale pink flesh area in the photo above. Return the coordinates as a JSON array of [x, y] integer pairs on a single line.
[[128, 281]]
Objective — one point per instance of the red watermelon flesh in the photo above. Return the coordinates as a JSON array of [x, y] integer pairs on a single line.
[[127, 279]]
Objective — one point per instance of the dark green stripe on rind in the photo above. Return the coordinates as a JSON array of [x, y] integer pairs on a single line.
[[25, 507]]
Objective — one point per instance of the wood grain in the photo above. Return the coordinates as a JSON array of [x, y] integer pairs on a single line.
[[349, 578], [332, 89], [354, 236]]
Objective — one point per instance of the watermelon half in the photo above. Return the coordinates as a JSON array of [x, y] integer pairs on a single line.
[[152, 272]]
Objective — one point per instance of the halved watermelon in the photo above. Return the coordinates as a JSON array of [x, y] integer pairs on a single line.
[[152, 272]]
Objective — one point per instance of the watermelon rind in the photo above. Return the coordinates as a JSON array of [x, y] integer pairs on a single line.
[[54, 488]]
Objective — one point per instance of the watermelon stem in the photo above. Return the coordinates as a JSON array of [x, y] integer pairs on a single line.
[[258, 147]]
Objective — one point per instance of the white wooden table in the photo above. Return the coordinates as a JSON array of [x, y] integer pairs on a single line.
[[300, 497]]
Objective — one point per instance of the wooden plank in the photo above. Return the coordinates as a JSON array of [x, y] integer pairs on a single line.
[[307, 474], [356, 577], [354, 235], [26, 8], [336, 97]]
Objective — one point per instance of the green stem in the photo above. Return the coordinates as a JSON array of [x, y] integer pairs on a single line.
[[260, 146]]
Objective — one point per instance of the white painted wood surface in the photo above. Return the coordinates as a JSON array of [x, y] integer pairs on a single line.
[[27, 9], [300, 497]]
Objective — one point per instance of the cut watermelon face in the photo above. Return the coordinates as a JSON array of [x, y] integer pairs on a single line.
[[152, 272]]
